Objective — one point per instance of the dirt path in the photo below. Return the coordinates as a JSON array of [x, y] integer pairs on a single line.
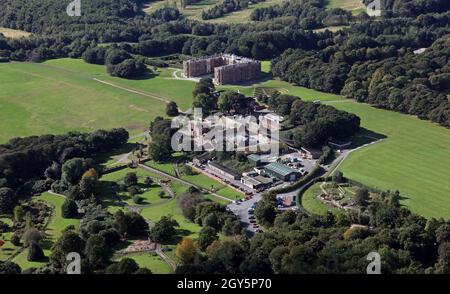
[[166, 258], [153, 96]]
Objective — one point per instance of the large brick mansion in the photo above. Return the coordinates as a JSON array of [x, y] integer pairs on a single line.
[[227, 68]]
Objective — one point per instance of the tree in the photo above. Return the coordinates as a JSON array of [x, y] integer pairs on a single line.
[[69, 209], [31, 236], [9, 268], [68, 242], [54, 171], [126, 266], [28, 220], [207, 102], [35, 253], [285, 218], [186, 250], [231, 101], [137, 199], [89, 184], [96, 251], [73, 169], [130, 179], [231, 227], [160, 149], [6, 200], [172, 109], [164, 229], [130, 223], [265, 213], [19, 213], [204, 86], [338, 177], [206, 237], [361, 197], [148, 181]]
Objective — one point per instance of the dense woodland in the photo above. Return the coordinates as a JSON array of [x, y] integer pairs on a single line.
[[32, 165], [312, 124], [307, 14], [295, 243], [227, 6]]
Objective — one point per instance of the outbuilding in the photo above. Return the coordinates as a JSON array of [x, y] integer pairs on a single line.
[[282, 172]]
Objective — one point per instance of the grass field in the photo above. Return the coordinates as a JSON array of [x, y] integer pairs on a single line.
[[314, 205], [56, 225], [414, 159], [15, 34], [355, 6], [151, 262], [36, 99]]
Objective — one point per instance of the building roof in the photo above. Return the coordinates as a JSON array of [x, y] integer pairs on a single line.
[[254, 157], [223, 168], [257, 180], [263, 180], [251, 180], [274, 117], [280, 168]]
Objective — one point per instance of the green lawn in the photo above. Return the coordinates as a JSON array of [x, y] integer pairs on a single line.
[[206, 182], [53, 232], [154, 214], [60, 95], [36, 99], [355, 6], [8, 249], [150, 261], [149, 197], [414, 159], [314, 205]]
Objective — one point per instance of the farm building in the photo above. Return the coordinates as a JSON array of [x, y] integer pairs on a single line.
[[258, 182], [281, 171], [223, 171], [255, 159]]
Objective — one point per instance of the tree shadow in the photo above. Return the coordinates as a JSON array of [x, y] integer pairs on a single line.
[[365, 136], [147, 76], [126, 148], [263, 77]]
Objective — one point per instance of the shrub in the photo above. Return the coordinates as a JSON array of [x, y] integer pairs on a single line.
[[35, 253], [137, 199], [69, 209]]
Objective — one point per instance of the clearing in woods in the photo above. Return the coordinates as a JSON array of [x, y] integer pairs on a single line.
[[15, 34]]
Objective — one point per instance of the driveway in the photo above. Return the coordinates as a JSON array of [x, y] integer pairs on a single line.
[[241, 211]]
